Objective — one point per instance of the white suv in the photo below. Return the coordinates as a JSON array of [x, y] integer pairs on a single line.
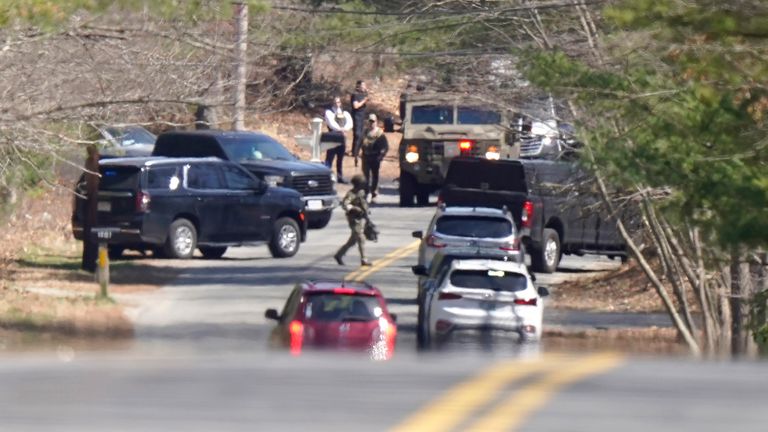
[[463, 229], [480, 294]]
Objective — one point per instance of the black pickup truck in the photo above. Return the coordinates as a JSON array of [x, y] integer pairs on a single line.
[[265, 158], [555, 211]]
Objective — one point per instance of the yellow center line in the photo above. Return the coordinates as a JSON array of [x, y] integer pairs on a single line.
[[512, 412], [458, 403], [363, 272]]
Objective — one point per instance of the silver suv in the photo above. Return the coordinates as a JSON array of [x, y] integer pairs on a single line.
[[463, 230]]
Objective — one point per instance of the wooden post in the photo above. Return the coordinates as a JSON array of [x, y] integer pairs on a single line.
[[103, 274]]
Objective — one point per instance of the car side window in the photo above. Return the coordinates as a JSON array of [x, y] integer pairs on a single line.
[[163, 178], [204, 176], [291, 305], [237, 179]]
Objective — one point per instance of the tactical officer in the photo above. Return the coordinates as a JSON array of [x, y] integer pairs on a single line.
[[356, 209]]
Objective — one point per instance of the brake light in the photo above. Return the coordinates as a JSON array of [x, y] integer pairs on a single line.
[[143, 199], [344, 291], [449, 296], [527, 216], [515, 246], [433, 242], [388, 334], [296, 330], [466, 145], [524, 302]]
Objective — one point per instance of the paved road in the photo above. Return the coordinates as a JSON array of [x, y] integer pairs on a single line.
[[220, 304], [200, 363]]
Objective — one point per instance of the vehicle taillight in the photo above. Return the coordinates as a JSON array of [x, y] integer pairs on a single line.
[[387, 332], [493, 153], [448, 296], [524, 302], [527, 217], [432, 241], [513, 247], [412, 154], [296, 330], [301, 216], [143, 199], [344, 291], [465, 146]]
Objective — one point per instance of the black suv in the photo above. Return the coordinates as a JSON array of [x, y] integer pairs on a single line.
[[266, 158], [173, 206]]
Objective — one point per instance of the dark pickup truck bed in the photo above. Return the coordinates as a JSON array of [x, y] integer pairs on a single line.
[[553, 212]]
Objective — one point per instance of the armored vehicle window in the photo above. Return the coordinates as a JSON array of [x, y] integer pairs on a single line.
[[431, 114], [163, 178], [478, 116]]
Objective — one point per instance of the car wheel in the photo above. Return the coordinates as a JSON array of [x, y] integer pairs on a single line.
[[285, 238], [320, 220], [407, 189], [115, 252], [546, 258], [212, 252], [182, 240]]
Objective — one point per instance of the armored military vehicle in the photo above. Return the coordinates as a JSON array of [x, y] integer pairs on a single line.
[[438, 127]]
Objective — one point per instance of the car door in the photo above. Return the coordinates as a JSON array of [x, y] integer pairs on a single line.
[[208, 192], [248, 218]]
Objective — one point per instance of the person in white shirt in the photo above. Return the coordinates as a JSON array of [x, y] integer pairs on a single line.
[[339, 121]]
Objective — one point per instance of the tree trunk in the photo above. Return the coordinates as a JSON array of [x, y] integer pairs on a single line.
[[241, 47], [90, 218]]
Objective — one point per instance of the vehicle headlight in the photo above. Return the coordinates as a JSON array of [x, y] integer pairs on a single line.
[[274, 180], [412, 155], [546, 141], [334, 177], [493, 153]]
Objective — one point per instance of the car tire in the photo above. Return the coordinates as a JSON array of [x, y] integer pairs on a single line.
[[212, 252], [182, 240], [321, 220], [422, 336], [547, 258], [286, 238], [115, 252], [407, 189]]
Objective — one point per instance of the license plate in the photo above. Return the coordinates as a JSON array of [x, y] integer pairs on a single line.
[[451, 149], [314, 205], [104, 206]]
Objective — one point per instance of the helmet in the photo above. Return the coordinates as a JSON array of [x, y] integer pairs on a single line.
[[358, 181]]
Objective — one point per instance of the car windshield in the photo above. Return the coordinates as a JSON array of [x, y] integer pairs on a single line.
[[496, 280], [478, 116], [131, 135], [254, 148], [342, 307], [473, 226], [431, 114]]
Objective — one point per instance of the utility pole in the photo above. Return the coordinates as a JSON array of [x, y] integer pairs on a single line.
[[241, 47]]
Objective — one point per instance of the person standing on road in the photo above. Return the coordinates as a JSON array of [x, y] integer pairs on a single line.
[[374, 148], [338, 121], [356, 209], [359, 101]]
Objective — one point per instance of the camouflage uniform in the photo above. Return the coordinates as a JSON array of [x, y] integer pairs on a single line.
[[356, 208]]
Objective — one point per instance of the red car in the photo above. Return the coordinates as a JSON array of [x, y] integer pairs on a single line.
[[348, 316]]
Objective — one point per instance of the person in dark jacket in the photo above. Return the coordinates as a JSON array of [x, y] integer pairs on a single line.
[[356, 209], [359, 102], [374, 147]]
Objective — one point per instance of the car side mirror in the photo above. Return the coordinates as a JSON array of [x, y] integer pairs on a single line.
[[543, 291], [419, 270], [394, 318], [417, 234], [272, 315]]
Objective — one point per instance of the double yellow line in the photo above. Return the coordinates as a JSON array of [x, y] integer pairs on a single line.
[[361, 273], [478, 396]]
